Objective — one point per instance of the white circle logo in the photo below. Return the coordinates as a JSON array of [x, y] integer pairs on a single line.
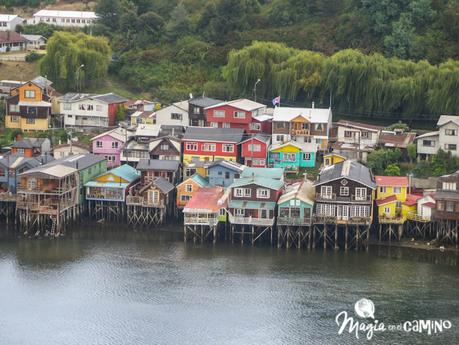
[[365, 308]]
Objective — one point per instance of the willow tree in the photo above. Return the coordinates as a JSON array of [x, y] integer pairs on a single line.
[[75, 61]]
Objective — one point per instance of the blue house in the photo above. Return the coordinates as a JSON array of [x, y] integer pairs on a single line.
[[292, 156], [12, 165], [223, 173]]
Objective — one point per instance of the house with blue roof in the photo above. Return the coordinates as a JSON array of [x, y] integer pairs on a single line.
[[222, 173], [112, 185]]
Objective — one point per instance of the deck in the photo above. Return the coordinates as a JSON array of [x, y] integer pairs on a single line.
[[195, 220], [142, 201], [251, 220], [294, 221]]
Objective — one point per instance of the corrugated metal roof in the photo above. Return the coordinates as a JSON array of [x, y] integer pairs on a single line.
[[66, 14], [79, 162], [444, 119], [314, 115], [303, 191], [164, 185], [349, 169], [243, 104], [158, 164], [204, 102], [253, 205], [205, 200], [210, 134], [275, 173], [398, 181], [259, 181], [229, 165]]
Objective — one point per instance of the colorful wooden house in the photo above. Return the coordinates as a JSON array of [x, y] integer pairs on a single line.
[[292, 156], [165, 148], [188, 188], [332, 158], [447, 198], [197, 167], [274, 173], [235, 114], [391, 192], [223, 173], [202, 213], [29, 106], [254, 150], [211, 144], [295, 206], [110, 145], [196, 110], [143, 117], [424, 209], [168, 169], [31, 147]]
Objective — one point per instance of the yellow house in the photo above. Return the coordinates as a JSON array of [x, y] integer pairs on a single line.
[[332, 159], [391, 193], [143, 117], [29, 106]]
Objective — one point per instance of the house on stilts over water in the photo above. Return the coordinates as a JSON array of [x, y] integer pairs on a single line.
[[50, 196], [152, 199], [106, 193], [344, 205], [203, 214]]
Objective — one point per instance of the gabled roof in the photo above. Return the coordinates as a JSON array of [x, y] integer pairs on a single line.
[[391, 181], [303, 191], [264, 138], [198, 179], [274, 173], [229, 165], [66, 14], [360, 125], [155, 142], [259, 181], [349, 169], [205, 200], [183, 105], [42, 81], [399, 140], [444, 119], [243, 104], [108, 98], [412, 199], [428, 135], [11, 37], [123, 172], [76, 162], [143, 114], [119, 134], [304, 147], [147, 130], [29, 143], [387, 200], [210, 134], [314, 115], [17, 162], [158, 164], [204, 102], [54, 170], [8, 17], [32, 38], [164, 185]]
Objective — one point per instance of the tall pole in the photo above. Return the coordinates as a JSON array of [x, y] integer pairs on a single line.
[[78, 77], [255, 90]]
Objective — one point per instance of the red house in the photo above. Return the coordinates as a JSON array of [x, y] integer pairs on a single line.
[[254, 150], [211, 144], [236, 114]]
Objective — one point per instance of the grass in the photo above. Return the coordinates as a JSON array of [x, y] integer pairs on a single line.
[[18, 70]]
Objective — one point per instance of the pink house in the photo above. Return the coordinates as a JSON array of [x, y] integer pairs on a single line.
[[110, 144]]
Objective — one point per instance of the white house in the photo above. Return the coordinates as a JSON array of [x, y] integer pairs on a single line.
[[70, 149], [86, 110], [8, 22], [302, 125], [448, 128], [64, 18], [175, 114], [425, 206], [35, 42], [427, 145]]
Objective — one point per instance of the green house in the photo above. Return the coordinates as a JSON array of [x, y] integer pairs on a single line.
[[296, 204]]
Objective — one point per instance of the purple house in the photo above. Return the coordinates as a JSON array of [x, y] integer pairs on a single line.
[[110, 144]]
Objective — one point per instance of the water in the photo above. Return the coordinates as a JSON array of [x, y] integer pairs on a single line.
[[100, 287]]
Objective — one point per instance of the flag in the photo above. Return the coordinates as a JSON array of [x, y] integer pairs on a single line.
[[276, 101]]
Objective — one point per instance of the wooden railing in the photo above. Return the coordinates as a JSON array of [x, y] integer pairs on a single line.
[[300, 132], [293, 221], [9, 197], [335, 197], [142, 201], [193, 220], [250, 220]]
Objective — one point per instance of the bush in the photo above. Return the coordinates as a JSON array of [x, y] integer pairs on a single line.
[[33, 56]]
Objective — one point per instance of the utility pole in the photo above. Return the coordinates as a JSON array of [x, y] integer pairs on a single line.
[[255, 89], [78, 77]]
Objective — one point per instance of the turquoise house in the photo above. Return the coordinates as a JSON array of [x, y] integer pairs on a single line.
[[292, 156], [295, 206]]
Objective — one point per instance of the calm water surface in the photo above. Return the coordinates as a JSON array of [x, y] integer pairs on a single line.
[[119, 287]]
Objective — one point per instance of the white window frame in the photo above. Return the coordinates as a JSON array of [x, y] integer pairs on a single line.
[[228, 148], [238, 114], [306, 156], [254, 147], [99, 144], [191, 146], [449, 185], [247, 193], [344, 191], [360, 193], [219, 113], [397, 190], [209, 147], [239, 192], [263, 193], [326, 192], [189, 188]]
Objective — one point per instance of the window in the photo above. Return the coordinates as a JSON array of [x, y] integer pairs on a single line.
[[450, 147], [99, 144], [318, 127], [110, 159], [366, 135], [226, 125], [164, 147], [238, 192], [387, 210], [440, 205], [240, 212], [228, 148], [67, 106], [90, 107], [397, 190], [247, 192], [450, 206], [428, 143], [326, 192], [20, 152], [326, 210], [289, 157], [449, 185], [208, 147], [383, 189], [196, 111], [239, 114], [176, 116], [29, 94], [14, 118], [255, 126], [191, 146], [81, 107], [280, 138], [31, 183], [227, 175], [30, 121], [281, 125], [14, 108], [451, 132], [254, 148], [306, 156], [219, 113], [360, 194], [69, 116], [344, 191], [115, 144], [189, 188], [348, 134], [263, 193], [214, 124]]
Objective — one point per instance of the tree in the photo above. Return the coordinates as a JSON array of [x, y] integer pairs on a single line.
[[392, 170], [412, 152], [67, 52], [179, 24], [109, 12], [380, 160], [120, 113]]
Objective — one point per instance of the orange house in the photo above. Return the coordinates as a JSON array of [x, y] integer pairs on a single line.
[[188, 188], [29, 106]]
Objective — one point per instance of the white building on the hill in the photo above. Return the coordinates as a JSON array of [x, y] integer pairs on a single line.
[[8, 22], [64, 18]]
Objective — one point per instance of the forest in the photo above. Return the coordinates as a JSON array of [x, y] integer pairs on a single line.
[[393, 58]]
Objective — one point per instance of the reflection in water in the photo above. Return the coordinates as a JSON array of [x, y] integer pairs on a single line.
[[121, 287]]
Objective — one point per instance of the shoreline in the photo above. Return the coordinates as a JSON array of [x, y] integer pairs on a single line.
[[417, 244]]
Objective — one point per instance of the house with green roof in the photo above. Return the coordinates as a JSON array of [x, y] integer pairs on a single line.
[[112, 185], [252, 200]]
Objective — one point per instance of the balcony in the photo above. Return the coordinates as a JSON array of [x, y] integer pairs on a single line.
[[320, 219], [300, 132], [201, 220], [142, 201], [8, 197], [251, 220], [293, 221], [391, 220], [418, 217], [335, 197]]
